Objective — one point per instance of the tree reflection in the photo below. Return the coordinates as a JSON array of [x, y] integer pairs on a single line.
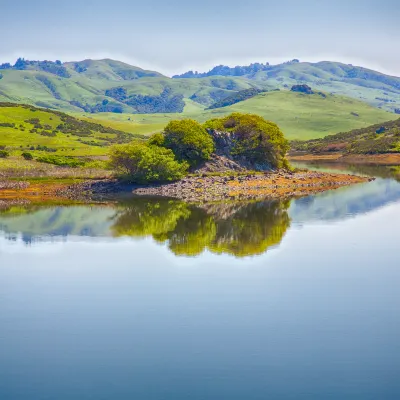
[[240, 229]]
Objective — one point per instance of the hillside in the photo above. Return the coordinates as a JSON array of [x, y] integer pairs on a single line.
[[298, 115], [97, 86], [375, 139], [39, 131], [373, 87]]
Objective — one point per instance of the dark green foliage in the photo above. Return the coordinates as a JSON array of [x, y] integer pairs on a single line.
[[7, 124], [166, 102], [224, 70], [51, 67], [4, 153], [302, 89], [27, 156], [118, 93], [253, 139], [236, 98], [1, 76], [143, 163], [189, 141], [61, 161], [380, 138], [43, 148]]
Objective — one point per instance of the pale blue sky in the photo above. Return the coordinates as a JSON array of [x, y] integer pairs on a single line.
[[174, 36]]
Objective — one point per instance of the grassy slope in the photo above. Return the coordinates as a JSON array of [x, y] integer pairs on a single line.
[[21, 138], [88, 86], [374, 139], [299, 116]]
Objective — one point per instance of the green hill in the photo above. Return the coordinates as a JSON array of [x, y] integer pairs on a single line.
[[298, 115], [40, 131], [373, 87], [374, 139], [111, 86]]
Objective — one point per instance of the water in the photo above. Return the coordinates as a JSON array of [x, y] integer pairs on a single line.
[[155, 299]]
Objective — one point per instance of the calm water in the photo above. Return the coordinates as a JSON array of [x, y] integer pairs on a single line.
[[155, 299]]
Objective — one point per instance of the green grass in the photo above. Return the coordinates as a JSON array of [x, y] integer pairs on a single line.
[[299, 116], [90, 79], [82, 139]]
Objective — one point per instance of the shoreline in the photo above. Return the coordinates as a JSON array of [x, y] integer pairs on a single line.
[[384, 159], [278, 185], [200, 188]]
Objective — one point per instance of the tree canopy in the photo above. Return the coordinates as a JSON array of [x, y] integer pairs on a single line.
[[254, 138], [189, 141], [143, 163]]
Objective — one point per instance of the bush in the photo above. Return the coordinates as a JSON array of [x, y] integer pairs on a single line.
[[61, 161], [189, 141], [253, 138], [27, 156], [4, 154], [143, 163]]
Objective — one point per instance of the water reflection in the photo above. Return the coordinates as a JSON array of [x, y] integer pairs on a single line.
[[239, 229]]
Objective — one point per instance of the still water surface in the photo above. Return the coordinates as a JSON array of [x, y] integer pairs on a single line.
[[156, 299]]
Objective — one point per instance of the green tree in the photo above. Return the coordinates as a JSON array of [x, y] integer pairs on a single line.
[[257, 140], [143, 163], [189, 141]]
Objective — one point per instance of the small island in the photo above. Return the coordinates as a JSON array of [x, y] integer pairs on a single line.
[[240, 156]]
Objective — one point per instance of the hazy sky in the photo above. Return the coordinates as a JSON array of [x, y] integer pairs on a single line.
[[172, 36]]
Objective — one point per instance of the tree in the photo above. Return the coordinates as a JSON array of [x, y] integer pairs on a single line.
[[142, 163], [253, 139], [189, 141]]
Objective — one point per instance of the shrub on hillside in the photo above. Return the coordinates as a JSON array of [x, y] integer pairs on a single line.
[[189, 141], [4, 153], [143, 163], [27, 156], [253, 139], [61, 161]]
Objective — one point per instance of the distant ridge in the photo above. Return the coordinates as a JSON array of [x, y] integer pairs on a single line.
[[108, 85]]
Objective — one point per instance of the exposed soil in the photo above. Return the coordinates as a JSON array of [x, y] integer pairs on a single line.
[[366, 159], [199, 188], [271, 185]]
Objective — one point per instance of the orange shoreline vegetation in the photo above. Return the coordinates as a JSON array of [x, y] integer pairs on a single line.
[[195, 188], [272, 185], [389, 159]]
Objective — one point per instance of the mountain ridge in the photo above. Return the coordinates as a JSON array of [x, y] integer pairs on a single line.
[[85, 85]]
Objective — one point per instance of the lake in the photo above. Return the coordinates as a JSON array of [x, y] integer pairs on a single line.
[[157, 299]]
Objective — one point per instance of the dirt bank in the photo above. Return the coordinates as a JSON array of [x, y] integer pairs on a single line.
[[388, 159], [272, 185]]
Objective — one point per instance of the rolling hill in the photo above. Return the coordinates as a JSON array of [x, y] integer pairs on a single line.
[[97, 86], [375, 139], [299, 115], [40, 131]]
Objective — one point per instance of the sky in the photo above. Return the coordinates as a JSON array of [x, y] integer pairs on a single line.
[[175, 36]]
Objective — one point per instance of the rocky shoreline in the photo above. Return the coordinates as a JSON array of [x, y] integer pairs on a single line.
[[268, 185], [199, 188]]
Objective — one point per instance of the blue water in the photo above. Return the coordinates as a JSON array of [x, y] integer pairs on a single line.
[[155, 300]]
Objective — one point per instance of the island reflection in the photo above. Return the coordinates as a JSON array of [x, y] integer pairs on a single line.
[[239, 229]]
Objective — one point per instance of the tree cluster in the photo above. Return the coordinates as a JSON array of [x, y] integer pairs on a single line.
[[165, 102], [186, 144], [51, 67]]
